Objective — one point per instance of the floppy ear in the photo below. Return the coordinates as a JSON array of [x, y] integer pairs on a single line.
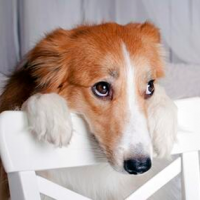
[[150, 35], [45, 61], [42, 70], [162, 119], [147, 29], [151, 31]]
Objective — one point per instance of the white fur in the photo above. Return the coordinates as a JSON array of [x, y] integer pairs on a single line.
[[162, 119], [49, 118]]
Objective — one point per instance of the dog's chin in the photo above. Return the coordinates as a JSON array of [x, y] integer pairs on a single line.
[[117, 167]]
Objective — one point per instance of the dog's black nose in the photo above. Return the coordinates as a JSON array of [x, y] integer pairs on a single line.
[[137, 165]]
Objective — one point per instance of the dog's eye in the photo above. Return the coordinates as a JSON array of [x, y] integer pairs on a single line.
[[149, 89], [101, 89]]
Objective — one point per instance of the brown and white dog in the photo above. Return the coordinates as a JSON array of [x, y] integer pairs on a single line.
[[107, 73]]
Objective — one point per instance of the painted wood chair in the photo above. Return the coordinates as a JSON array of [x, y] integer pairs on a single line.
[[22, 156]]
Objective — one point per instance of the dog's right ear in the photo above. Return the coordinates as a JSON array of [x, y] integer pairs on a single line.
[[42, 70], [47, 61]]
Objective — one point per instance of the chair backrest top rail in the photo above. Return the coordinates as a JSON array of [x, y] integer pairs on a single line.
[[20, 151]]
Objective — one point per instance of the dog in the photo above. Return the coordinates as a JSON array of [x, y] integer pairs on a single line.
[[107, 73]]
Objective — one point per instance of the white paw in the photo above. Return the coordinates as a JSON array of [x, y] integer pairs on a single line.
[[49, 118]]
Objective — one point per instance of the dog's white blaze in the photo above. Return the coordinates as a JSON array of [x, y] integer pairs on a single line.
[[135, 138]]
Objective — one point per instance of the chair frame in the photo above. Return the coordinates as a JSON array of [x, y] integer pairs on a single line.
[[21, 164]]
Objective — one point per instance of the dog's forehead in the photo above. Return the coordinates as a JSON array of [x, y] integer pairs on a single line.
[[114, 63], [101, 53], [105, 66]]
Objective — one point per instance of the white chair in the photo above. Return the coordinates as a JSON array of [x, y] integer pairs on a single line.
[[22, 156]]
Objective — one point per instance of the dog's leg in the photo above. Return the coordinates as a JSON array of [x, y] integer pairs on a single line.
[[49, 118], [162, 118]]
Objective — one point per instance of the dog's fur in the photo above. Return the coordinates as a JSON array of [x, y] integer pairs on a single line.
[[56, 78]]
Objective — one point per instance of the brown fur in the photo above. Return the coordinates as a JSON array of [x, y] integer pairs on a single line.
[[71, 62]]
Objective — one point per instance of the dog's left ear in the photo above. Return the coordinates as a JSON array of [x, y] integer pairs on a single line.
[[162, 112], [151, 31], [150, 34], [147, 30], [162, 119]]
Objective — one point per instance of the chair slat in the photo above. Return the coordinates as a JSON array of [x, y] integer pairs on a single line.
[[56, 191], [159, 180], [23, 186], [186, 142], [191, 175]]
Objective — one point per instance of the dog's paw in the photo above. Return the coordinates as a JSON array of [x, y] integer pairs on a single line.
[[49, 118]]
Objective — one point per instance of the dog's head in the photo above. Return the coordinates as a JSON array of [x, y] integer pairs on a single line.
[[106, 73]]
